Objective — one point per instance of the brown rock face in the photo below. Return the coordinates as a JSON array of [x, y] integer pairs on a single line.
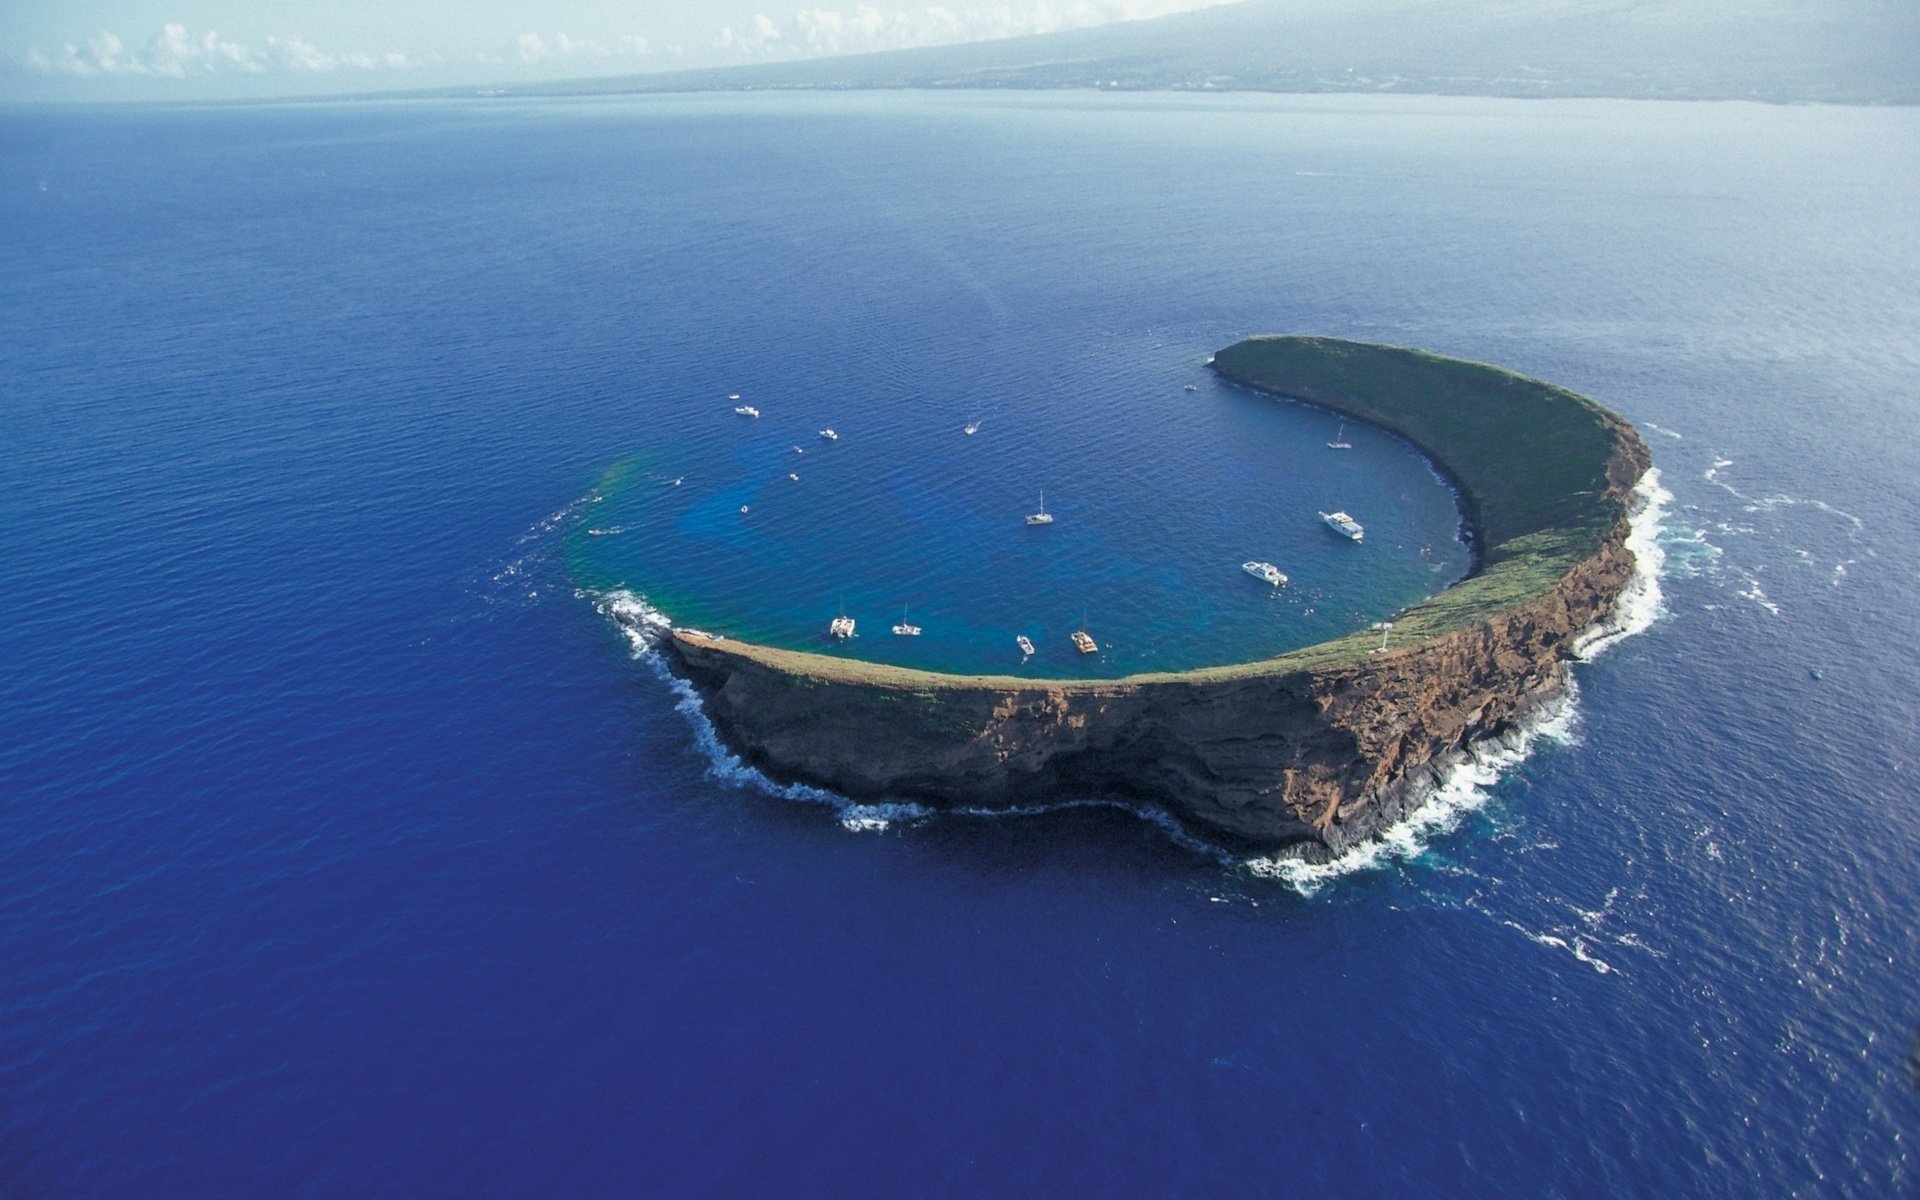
[[1314, 750], [1324, 756]]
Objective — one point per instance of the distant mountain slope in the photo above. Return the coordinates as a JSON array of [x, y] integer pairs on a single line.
[[1843, 51]]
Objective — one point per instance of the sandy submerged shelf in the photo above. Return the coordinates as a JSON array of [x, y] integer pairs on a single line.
[[1318, 746]]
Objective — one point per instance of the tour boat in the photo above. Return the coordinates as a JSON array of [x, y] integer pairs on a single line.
[[1340, 441], [1026, 647], [1043, 517], [842, 625], [1343, 525], [747, 410], [830, 435], [903, 629], [1264, 570]]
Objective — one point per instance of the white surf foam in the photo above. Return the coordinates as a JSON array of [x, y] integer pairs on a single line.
[[1464, 787], [1641, 602], [644, 626]]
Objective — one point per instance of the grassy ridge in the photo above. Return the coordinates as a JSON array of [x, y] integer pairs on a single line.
[[1530, 460]]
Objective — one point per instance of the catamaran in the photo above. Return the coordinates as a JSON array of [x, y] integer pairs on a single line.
[[1343, 525], [1340, 441], [1082, 640], [1026, 647], [1264, 570], [1043, 517], [842, 625], [903, 629]]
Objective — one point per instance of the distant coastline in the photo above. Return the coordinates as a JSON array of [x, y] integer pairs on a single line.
[[1317, 747]]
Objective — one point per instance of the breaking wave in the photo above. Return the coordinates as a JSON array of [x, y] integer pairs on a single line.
[[1464, 787], [1468, 784], [643, 626]]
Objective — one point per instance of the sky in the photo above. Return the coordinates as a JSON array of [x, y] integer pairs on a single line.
[[118, 50]]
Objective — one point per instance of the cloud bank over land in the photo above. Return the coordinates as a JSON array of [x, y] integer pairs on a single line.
[[179, 52], [812, 32], [175, 53]]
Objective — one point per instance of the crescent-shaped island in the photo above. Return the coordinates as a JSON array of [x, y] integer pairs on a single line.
[[1313, 750]]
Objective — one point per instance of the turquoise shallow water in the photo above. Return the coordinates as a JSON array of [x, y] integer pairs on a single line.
[[1159, 494]]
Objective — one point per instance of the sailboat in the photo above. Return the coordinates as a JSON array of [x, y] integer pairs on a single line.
[[1043, 517], [842, 625], [1340, 441], [903, 629]]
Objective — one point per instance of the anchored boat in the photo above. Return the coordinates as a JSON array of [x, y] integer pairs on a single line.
[[1344, 525], [1043, 517], [1264, 570], [903, 629]]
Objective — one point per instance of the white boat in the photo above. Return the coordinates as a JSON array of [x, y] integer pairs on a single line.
[[842, 625], [733, 395], [743, 510], [1340, 441], [973, 427], [798, 450], [747, 410], [1343, 525], [830, 435], [792, 476], [1264, 570], [903, 629], [1026, 647], [1083, 642], [1043, 517], [1193, 387]]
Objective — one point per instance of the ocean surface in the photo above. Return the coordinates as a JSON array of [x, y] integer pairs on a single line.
[[349, 847]]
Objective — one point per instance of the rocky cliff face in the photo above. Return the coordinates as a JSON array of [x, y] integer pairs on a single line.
[[1318, 758]]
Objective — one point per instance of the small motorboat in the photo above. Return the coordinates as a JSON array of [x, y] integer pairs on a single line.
[[830, 435], [747, 410], [1026, 647]]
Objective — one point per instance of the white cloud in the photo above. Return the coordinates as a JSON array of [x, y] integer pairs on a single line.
[[532, 48], [824, 31], [174, 53]]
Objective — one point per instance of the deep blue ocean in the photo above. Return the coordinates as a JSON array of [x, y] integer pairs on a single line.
[[349, 848]]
